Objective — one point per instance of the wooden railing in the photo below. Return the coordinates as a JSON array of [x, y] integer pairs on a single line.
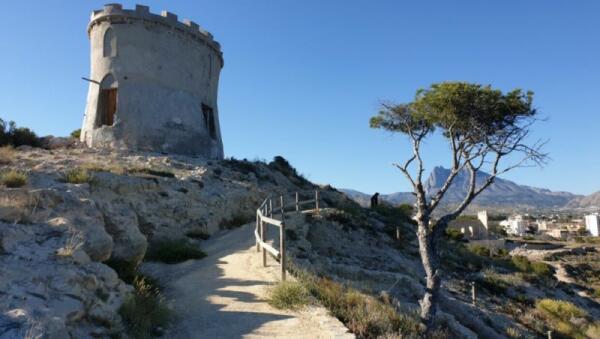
[[265, 216]]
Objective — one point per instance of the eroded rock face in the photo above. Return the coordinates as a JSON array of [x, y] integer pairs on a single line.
[[47, 284]]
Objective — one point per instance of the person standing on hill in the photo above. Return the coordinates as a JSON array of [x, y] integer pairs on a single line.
[[375, 200]]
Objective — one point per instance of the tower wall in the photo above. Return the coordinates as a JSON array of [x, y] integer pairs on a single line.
[[165, 75]]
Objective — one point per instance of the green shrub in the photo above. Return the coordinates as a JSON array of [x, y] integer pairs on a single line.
[[77, 176], [339, 217], [197, 234], [235, 221], [145, 311], [534, 270], [173, 251], [558, 314], [288, 295], [541, 269], [76, 133], [521, 263], [13, 179], [165, 173], [493, 282], [454, 234], [480, 250]]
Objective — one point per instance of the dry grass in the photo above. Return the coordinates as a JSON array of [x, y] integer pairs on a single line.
[[110, 168], [7, 155], [77, 176], [145, 312], [73, 243], [289, 295], [363, 314], [13, 179]]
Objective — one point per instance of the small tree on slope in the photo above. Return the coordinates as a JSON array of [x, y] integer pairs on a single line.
[[484, 129]]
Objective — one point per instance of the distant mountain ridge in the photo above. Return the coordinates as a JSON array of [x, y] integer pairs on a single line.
[[501, 195], [591, 201]]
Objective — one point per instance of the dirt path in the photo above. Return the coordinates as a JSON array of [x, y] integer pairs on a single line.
[[223, 295]]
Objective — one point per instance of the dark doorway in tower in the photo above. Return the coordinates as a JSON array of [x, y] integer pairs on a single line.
[[209, 120], [107, 102]]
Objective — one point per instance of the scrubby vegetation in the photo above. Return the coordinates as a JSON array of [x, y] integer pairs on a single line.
[[280, 164], [15, 136], [13, 179], [77, 176], [7, 155], [566, 318], [289, 295], [197, 234], [76, 133], [173, 251], [145, 313], [152, 171], [236, 220], [365, 315]]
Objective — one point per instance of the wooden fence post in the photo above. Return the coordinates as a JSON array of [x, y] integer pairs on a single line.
[[473, 292], [549, 334], [317, 201], [270, 208], [397, 232], [282, 241], [257, 230], [297, 205], [262, 238]]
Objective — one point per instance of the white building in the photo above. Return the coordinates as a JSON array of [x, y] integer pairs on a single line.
[[514, 225], [591, 224], [483, 217], [542, 225]]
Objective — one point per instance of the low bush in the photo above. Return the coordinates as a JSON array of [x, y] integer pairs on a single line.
[[364, 315], [76, 134], [340, 217], [173, 251], [145, 312], [165, 173], [559, 315], [13, 179], [480, 250], [235, 221], [493, 282], [289, 295], [534, 270], [77, 176], [7, 155], [197, 234], [454, 234]]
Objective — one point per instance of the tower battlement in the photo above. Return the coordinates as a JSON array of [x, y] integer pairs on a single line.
[[114, 12]]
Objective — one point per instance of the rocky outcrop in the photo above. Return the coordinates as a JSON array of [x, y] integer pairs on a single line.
[[56, 235], [48, 284]]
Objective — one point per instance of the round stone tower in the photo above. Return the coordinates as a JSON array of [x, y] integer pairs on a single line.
[[153, 84]]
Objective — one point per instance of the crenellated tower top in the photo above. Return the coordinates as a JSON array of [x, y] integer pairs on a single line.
[[114, 13]]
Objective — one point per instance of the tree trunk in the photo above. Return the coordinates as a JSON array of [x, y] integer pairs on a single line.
[[431, 266]]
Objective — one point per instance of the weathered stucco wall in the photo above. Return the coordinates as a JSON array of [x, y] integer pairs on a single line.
[[165, 72]]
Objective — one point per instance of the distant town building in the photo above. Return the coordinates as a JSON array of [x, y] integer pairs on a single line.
[[591, 224], [514, 225], [483, 217], [542, 225], [470, 228], [558, 233]]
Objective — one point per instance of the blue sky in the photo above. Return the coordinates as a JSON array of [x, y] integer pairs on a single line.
[[302, 78]]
